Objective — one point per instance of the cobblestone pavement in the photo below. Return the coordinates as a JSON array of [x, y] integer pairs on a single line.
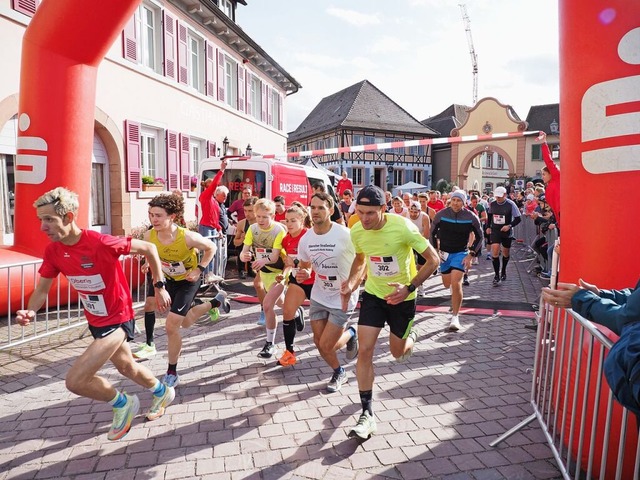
[[236, 416]]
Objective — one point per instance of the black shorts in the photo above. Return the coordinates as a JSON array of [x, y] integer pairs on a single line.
[[307, 287], [129, 328], [375, 312], [496, 237], [182, 293]]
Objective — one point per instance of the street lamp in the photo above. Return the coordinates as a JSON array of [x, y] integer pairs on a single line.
[[389, 164], [553, 127], [225, 146], [249, 150]]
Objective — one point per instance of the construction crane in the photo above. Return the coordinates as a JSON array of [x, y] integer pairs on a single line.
[[472, 51]]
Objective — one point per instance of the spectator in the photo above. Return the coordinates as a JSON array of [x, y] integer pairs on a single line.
[[211, 222], [281, 209], [344, 184], [406, 199], [345, 204], [551, 178], [388, 197], [235, 211]]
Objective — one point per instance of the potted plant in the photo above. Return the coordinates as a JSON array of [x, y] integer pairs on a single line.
[[151, 183]]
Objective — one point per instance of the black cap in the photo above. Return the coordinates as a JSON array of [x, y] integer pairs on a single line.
[[372, 196]]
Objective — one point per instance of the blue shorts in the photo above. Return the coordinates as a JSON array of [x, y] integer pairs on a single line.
[[454, 261]]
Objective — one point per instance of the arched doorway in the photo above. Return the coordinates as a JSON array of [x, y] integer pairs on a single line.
[[485, 166]]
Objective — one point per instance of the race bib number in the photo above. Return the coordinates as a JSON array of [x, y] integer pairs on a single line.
[[499, 220], [384, 266], [263, 253], [328, 283], [93, 304], [173, 269], [444, 255]]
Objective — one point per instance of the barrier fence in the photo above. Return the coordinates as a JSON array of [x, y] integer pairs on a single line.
[[591, 436], [61, 311]]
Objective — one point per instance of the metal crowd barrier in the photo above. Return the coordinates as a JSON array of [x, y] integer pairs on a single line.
[[588, 439], [62, 313]]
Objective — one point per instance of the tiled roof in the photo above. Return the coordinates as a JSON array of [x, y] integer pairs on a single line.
[[360, 106], [450, 118], [541, 116]]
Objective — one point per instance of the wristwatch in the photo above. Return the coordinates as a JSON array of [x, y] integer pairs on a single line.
[[160, 284], [472, 253], [411, 287], [201, 268]]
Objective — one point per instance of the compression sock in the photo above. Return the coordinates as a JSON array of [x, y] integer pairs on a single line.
[[149, 325], [496, 265], [505, 260], [172, 369], [289, 333], [366, 398]]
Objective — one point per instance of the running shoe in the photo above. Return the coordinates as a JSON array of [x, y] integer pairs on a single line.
[[262, 320], [145, 351], [159, 404], [403, 358], [352, 346], [465, 280], [337, 379], [267, 351], [496, 281], [224, 303], [288, 359], [214, 314], [122, 418], [171, 379], [300, 319], [365, 427], [503, 278], [454, 326]]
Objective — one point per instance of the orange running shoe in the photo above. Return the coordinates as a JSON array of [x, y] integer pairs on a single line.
[[288, 359]]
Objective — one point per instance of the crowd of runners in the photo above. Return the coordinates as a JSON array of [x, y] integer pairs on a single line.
[[370, 249]]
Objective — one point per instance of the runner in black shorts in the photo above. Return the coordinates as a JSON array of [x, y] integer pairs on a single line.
[[502, 217], [384, 245]]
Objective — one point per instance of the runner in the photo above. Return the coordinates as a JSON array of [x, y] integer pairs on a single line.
[[328, 250], [502, 217], [451, 230], [90, 261], [384, 245], [177, 248]]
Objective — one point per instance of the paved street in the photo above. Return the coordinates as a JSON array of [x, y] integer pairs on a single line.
[[236, 416]]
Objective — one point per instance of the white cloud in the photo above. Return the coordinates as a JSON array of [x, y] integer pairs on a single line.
[[353, 17]]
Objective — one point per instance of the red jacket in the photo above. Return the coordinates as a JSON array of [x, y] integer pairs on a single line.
[[344, 184], [210, 208], [552, 188]]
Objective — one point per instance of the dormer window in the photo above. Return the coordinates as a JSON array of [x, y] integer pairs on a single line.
[[227, 8]]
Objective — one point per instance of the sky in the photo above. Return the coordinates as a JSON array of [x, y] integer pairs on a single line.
[[415, 51]]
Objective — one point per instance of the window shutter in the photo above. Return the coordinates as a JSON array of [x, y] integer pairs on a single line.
[[265, 90], [169, 45], [173, 166], [212, 151], [129, 40], [185, 162], [28, 7], [182, 53], [249, 82], [269, 106], [241, 88], [221, 77], [280, 110], [209, 71], [133, 152]]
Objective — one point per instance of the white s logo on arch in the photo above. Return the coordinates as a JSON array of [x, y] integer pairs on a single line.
[[596, 124], [30, 168]]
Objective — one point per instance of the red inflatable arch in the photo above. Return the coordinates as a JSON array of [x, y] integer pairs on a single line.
[[600, 128], [61, 50]]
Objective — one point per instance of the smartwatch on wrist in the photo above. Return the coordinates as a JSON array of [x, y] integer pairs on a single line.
[[201, 268], [160, 284], [411, 287]]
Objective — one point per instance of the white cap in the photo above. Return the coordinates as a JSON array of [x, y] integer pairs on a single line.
[[500, 192]]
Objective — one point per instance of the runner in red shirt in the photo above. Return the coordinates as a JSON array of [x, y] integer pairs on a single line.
[[434, 202], [90, 261]]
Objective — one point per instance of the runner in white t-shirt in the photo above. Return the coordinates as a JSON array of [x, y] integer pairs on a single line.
[[327, 249]]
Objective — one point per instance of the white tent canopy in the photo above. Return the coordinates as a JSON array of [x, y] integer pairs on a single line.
[[410, 187]]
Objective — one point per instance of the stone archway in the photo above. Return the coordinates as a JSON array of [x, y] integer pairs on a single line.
[[466, 162]]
